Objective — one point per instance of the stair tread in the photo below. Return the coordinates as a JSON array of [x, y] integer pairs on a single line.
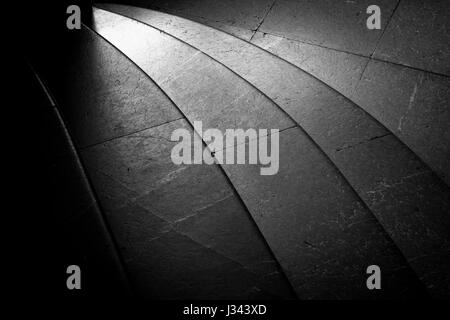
[[143, 193], [189, 79], [335, 124]]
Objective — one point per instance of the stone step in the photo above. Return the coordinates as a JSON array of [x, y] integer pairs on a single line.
[[64, 209], [411, 103], [306, 209], [386, 175], [182, 230]]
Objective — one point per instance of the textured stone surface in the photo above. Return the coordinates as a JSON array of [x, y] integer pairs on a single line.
[[330, 23], [241, 17], [335, 124], [179, 241], [340, 70], [292, 89], [101, 93], [175, 267], [242, 33], [317, 227], [215, 240], [418, 36], [414, 106], [283, 233], [63, 208], [202, 88], [411, 204], [143, 193]]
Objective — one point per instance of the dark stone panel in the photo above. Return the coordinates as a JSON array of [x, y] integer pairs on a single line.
[[71, 195], [418, 36], [409, 200], [414, 106], [64, 214], [182, 214], [330, 23], [91, 248], [175, 267], [319, 230], [226, 228], [141, 165], [148, 242]]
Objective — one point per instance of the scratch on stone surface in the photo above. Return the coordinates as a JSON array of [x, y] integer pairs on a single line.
[[412, 97], [362, 142], [131, 135], [199, 210], [172, 175], [418, 257], [172, 76], [149, 136], [383, 185], [370, 219]]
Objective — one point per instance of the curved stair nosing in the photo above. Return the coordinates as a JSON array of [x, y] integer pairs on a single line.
[[412, 155], [109, 7], [319, 149], [271, 277], [110, 258], [226, 177]]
